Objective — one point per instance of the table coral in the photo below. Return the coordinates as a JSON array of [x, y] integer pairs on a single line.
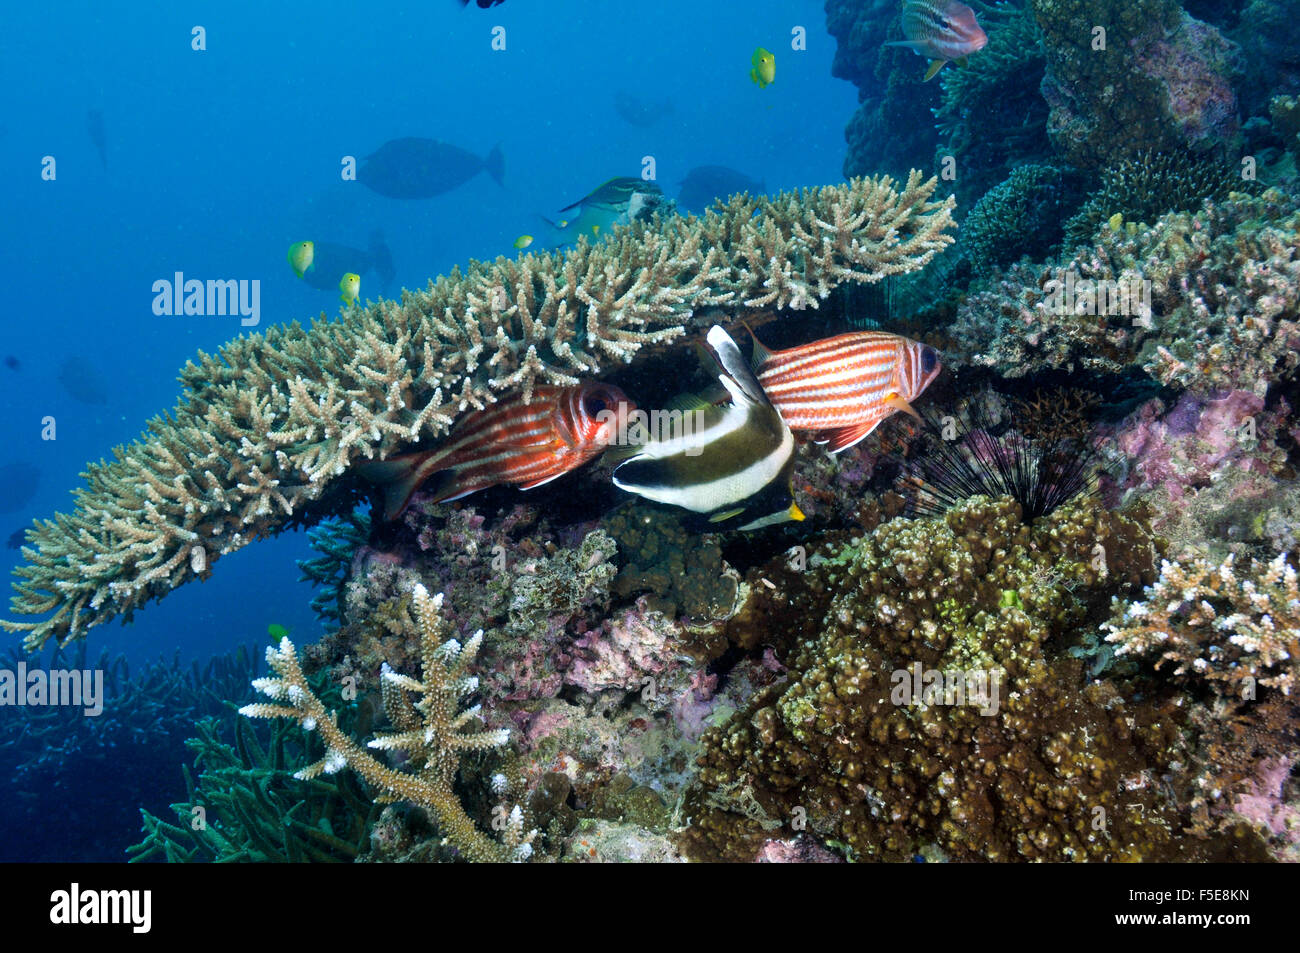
[[269, 423]]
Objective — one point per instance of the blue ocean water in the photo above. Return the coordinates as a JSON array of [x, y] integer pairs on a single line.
[[217, 159]]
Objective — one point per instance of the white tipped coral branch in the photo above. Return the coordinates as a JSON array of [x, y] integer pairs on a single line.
[[267, 423], [431, 732], [1217, 622]]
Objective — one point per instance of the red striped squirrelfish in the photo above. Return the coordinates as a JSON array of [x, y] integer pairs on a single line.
[[843, 387], [508, 442], [940, 30]]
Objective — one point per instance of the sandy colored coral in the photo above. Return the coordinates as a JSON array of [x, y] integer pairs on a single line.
[[432, 732], [1224, 623], [272, 420], [1224, 303]]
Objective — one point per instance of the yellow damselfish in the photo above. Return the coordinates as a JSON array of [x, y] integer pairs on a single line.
[[764, 67], [300, 256], [523, 241], [351, 288]]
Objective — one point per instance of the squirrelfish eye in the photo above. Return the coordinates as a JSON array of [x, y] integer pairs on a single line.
[[929, 360], [595, 403]]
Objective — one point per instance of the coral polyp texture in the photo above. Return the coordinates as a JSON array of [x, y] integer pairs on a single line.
[[432, 732], [272, 419]]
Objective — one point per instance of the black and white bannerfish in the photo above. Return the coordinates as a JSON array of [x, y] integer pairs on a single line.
[[734, 462]]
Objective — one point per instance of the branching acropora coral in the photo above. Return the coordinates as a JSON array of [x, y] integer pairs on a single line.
[[1224, 623], [272, 419], [432, 731]]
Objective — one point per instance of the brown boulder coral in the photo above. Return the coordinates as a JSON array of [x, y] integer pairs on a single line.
[[1043, 768]]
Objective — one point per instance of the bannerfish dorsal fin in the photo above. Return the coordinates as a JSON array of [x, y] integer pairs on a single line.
[[729, 357], [761, 353]]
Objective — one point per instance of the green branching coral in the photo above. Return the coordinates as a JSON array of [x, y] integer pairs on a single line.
[[432, 731], [247, 805], [336, 540], [1045, 767], [1222, 286], [1019, 216], [1142, 187], [271, 421]]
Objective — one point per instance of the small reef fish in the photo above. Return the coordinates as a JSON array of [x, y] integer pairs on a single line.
[[737, 459], [844, 386], [300, 257], [523, 241], [617, 201], [482, 4], [414, 168], [762, 68], [705, 183], [13, 363], [17, 539], [509, 442], [940, 30], [350, 285]]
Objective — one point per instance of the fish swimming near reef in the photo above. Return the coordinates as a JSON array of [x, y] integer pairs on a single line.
[[737, 460], [617, 201], [705, 183], [83, 381], [13, 363], [508, 442], [414, 168], [842, 387], [762, 68], [18, 483], [300, 257], [17, 538], [350, 285], [95, 126], [329, 261], [940, 30]]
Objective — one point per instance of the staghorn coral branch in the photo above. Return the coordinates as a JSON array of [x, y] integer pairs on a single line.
[[272, 419], [431, 731]]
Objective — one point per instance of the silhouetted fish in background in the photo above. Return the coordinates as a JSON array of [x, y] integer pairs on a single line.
[[330, 262], [13, 363], [414, 168], [80, 379], [482, 4], [705, 183], [18, 483], [17, 539], [95, 126], [641, 112]]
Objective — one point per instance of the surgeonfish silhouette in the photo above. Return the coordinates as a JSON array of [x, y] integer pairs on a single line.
[[414, 168]]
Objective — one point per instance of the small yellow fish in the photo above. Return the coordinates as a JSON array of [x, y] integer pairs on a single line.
[[300, 256], [1116, 221], [764, 67], [351, 288], [523, 241]]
